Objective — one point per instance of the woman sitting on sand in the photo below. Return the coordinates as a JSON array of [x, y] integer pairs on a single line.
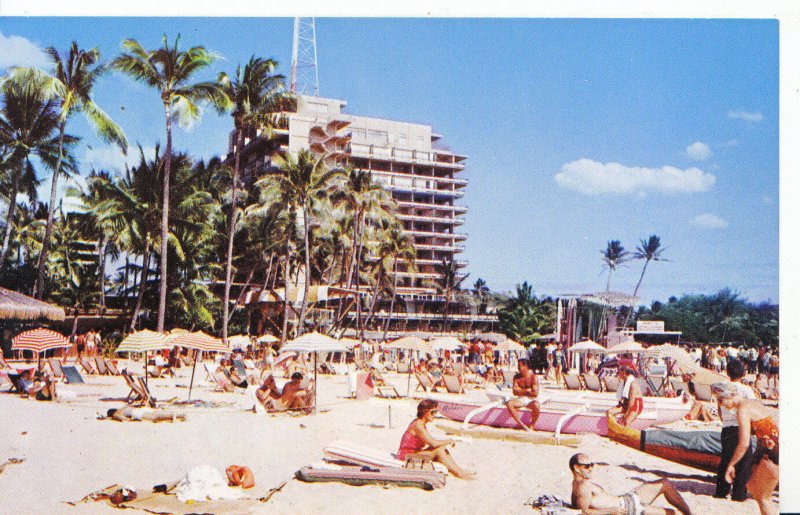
[[755, 418], [417, 442]]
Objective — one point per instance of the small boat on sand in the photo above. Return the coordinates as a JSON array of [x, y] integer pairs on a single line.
[[667, 409], [698, 449], [555, 416]]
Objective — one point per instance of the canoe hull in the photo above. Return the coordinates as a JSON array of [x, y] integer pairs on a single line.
[[591, 421], [632, 437]]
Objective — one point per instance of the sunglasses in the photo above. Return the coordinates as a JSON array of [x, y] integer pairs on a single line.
[[586, 465]]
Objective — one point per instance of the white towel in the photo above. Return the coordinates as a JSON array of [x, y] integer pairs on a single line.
[[251, 400], [205, 483]]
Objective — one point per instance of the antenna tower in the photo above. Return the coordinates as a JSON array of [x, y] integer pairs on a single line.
[[304, 79]]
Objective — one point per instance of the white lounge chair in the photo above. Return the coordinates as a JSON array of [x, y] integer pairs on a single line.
[[357, 454]]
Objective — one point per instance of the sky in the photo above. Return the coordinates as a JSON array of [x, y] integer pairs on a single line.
[[578, 131]]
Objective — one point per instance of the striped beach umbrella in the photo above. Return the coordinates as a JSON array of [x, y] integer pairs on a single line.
[[410, 343], [143, 341], [199, 341], [39, 340], [447, 343], [314, 342]]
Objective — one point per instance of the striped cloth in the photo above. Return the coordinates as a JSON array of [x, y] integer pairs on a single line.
[[39, 340], [143, 341], [198, 340], [314, 342]]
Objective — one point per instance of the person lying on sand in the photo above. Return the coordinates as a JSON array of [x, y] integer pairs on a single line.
[[293, 395], [591, 498], [417, 444], [525, 388], [129, 413]]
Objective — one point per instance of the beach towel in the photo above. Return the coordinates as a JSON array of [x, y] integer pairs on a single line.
[[251, 400], [205, 483], [551, 505]]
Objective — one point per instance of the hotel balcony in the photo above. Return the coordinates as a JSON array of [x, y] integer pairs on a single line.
[[459, 262], [417, 186], [432, 219], [403, 156], [446, 248], [407, 175], [428, 205], [428, 234]]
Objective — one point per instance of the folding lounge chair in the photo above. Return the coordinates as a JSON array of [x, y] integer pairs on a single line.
[[679, 385], [386, 390], [508, 377], [452, 383], [377, 377], [4, 364], [702, 391], [222, 383], [101, 367], [348, 452], [240, 368], [644, 387], [403, 367], [72, 375], [55, 367], [147, 396], [611, 383], [592, 382], [112, 367], [656, 384], [573, 382], [86, 365], [16, 382], [424, 382]]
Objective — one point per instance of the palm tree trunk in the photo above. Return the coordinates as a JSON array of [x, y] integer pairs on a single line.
[[101, 270], [352, 264], [231, 231], [375, 296], [244, 289], [269, 271], [12, 205], [391, 305], [38, 287], [608, 283], [307, 281], [285, 327], [162, 289], [636, 290], [142, 284]]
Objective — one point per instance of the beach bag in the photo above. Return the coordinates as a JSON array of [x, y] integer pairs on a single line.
[[240, 476]]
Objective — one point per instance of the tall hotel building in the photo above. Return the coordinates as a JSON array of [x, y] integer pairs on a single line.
[[422, 177]]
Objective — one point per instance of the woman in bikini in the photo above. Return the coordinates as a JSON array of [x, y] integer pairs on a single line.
[[754, 418], [418, 442]]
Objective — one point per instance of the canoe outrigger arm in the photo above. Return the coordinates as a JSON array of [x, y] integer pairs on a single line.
[[479, 410], [568, 416]]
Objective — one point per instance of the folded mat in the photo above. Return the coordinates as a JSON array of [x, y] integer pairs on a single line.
[[359, 476], [357, 454]]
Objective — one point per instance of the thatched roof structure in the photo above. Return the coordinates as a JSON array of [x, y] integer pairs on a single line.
[[16, 306]]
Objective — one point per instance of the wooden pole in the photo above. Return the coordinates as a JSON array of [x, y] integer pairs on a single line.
[[194, 365]]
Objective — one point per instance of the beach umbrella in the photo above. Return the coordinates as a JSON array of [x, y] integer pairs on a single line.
[[314, 343], [267, 338], [625, 348], [410, 343], [143, 341], [200, 342], [16, 306], [447, 343], [587, 346], [239, 341], [39, 340], [509, 345]]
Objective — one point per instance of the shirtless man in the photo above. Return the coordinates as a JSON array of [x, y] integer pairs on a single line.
[[129, 413], [525, 389], [591, 498], [631, 403], [293, 396]]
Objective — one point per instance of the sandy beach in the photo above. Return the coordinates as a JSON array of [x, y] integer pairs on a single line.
[[69, 453]]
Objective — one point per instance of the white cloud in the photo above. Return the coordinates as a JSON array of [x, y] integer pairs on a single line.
[[593, 178], [18, 51], [112, 158], [710, 221], [755, 116], [699, 151]]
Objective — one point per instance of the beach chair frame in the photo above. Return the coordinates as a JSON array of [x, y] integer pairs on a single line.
[[86, 365], [679, 385], [100, 366], [424, 383], [452, 384], [112, 367], [592, 382], [702, 392], [611, 383], [55, 368], [71, 374], [387, 391], [573, 382]]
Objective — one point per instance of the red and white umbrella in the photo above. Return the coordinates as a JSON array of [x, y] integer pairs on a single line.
[[197, 340], [39, 340]]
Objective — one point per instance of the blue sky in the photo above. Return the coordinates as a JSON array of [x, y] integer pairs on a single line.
[[578, 131]]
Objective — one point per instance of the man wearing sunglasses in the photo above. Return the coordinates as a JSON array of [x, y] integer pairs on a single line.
[[592, 498]]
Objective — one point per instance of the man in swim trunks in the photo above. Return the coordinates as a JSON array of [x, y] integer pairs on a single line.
[[129, 413], [525, 389], [631, 403], [592, 498]]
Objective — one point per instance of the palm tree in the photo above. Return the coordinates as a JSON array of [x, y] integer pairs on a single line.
[[449, 280], [649, 250], [302, 180], [28, 122], [613, 256], [169, 71], [72, 82], [255, 98], [402, 249]]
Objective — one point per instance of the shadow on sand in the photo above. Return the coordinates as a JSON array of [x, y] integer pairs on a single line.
[[706, 478]]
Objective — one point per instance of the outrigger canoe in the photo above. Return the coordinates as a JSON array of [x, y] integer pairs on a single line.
[[555, 416], [698, 449], [667, 409]]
